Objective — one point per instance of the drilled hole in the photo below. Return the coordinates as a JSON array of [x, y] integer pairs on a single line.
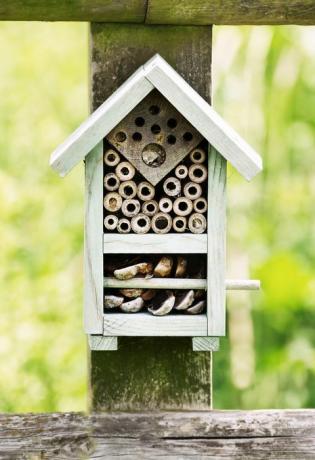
[[171, 139], [155, 129], [154, 109], [121, 136], [172, 123], [187, 136], [137, 137], [139, 121]]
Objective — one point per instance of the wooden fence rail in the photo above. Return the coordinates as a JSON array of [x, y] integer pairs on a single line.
[[183, 12], [273, 434]]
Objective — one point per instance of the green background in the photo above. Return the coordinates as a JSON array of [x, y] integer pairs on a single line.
[[264, 84]]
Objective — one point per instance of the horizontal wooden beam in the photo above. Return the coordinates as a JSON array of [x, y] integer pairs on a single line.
[[215, 435], [179, 283], [184, 12]]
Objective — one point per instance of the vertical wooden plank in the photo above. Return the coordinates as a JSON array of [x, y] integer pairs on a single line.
[[216, 243], [93, 243], [206, 343], [149, 373], [101, 343]]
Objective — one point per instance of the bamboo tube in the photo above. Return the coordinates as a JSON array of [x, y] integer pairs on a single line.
[[125, 171], [123, 226], [141, 223], [200, 205], [111, 158], [161, 223], [172, 186], [197, 156], [182, 206], [111, 182], [179, 224], [197, 223], [110, 222], [181, 172], [112, 202], [192, 190], [128, 189], [197, 173], [149, 208], [130, 208], [165, 205], [146, 191]]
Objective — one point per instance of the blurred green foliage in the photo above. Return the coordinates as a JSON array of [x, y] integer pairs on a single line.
[[264, 84]]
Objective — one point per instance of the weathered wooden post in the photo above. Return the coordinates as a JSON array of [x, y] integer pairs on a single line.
[[149, 373]]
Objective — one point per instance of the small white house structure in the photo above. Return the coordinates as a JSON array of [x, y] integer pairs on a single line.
[[155, 159]]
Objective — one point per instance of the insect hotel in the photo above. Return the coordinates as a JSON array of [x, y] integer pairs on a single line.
[[155, 173]]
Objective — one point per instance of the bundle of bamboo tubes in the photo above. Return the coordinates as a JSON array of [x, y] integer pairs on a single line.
[[177, 204], [155, 301]]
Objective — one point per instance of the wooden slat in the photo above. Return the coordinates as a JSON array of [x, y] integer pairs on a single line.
[[100, 123], [101, 343], [93, 244], [203, 117], [206, 343], [155, 244], [216, 243], [178, 283], [211, 435], [183, 12], [147, 325]]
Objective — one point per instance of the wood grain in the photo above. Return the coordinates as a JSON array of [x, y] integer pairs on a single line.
[[212, 435], [93, 244], [206, 343], [101, 343], [147, 325], [183, 12], [140, 375], [216, 258], [155, 244]]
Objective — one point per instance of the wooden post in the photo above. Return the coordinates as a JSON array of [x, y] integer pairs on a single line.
[[149, 373]]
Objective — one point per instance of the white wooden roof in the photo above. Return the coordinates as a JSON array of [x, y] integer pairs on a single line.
[[157, 73]]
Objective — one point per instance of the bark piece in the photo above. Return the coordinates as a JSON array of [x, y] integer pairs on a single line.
[[197, 308], [164, 267], [131, 293], [162, 304], [113, 301], [132, 306], [184, 300], [148, 294], [181, 267], [127, 273]]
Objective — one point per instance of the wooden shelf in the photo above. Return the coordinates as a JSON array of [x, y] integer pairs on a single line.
[[151, 243], [145, 324], [178, 283]]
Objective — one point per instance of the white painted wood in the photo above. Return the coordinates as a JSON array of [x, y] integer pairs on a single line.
[[101, 343], [216, 243], [185, 243], [179, 283], [157, 73], [206, 343], [93, 243], [203, 117], [145, 324], [100, 123]]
